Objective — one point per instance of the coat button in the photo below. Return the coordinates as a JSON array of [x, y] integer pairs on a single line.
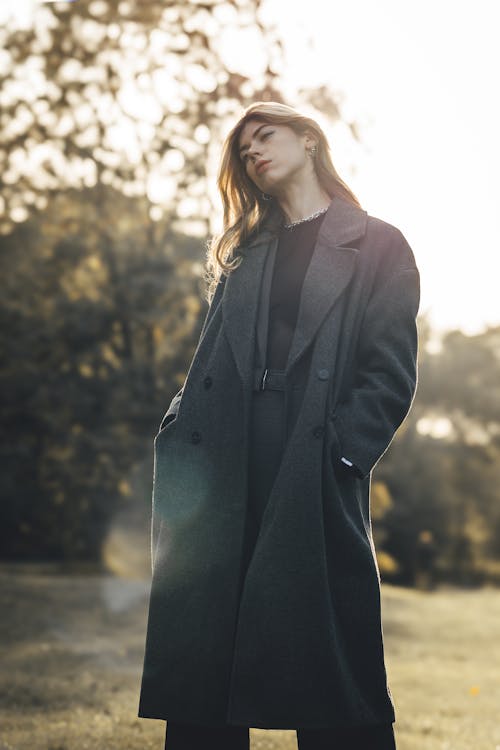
[[318, 431], [208, 382], [323, 374], [195, 437]]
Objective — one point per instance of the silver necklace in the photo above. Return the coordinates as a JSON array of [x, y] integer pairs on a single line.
[[308, 218]]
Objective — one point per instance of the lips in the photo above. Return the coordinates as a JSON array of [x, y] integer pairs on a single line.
[[261, 165]]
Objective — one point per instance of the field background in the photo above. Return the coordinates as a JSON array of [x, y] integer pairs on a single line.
[[72, 648]]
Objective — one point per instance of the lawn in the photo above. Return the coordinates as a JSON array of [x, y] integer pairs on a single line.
[[72, 647]]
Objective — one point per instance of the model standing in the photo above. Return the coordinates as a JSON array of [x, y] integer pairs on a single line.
[[265, 599]]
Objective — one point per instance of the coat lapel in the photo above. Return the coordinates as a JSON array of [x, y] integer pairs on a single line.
[[329, 272], [241, 298]]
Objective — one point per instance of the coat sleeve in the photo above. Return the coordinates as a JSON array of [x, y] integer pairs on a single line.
[[172, 410], [386, 377]]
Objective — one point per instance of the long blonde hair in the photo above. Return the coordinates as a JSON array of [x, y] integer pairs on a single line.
[[245, 208]]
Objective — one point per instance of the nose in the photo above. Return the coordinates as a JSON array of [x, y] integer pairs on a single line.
[[253, 152]]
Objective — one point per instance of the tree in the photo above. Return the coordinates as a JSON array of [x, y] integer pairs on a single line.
[[130, 95], [443, 469], [111, 117]]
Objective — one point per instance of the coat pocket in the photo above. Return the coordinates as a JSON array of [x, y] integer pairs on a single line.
[[340, 469], [333, 441], [167, 419]]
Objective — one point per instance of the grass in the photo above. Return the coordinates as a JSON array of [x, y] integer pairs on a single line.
[[443, 657], [72, 651]]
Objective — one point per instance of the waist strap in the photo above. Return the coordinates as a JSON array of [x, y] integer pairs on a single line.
[[269, 380]]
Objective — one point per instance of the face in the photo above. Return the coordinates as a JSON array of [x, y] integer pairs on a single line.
[[272, 155]]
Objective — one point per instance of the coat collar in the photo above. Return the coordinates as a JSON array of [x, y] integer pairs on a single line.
[[329, 272]]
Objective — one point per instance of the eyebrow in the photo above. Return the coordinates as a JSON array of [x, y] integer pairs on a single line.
[[244, 148]]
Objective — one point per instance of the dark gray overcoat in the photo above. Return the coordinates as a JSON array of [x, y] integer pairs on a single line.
[[300, 644]]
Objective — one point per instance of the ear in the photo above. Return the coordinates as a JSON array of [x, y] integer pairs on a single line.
[[309, 139]]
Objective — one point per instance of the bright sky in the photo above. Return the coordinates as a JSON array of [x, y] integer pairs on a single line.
[[423, 81]]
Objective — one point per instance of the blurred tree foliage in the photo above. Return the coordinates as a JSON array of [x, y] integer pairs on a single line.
[[443, 469], [98, 319], [111, 118], [131, 95]]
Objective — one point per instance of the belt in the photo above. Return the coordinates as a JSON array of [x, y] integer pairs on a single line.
[[269, 380]]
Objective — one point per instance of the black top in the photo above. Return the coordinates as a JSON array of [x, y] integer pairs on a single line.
[[293, 254]]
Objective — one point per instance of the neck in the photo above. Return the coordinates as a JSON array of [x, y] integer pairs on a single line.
[[298, 200]]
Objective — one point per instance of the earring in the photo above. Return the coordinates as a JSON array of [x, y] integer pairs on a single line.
[[313, 151], [266, 197]]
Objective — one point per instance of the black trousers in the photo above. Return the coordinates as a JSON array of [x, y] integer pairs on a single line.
[[269, 431], [267, 440], [191, 737]]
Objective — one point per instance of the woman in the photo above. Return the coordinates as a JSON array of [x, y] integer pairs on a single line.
[[265, 599]]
